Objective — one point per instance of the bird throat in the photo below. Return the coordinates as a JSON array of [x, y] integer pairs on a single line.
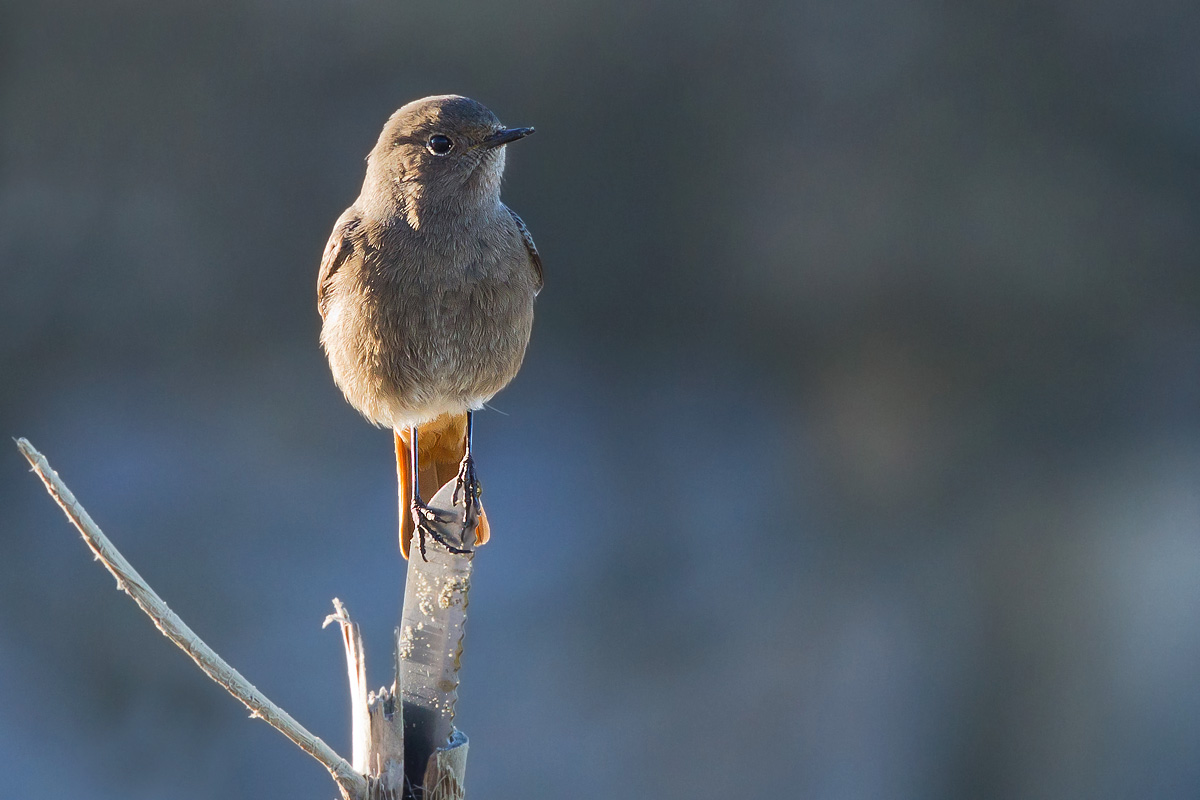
[[433, 206]]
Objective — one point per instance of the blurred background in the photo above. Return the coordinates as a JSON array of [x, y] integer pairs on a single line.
[[856, 453]]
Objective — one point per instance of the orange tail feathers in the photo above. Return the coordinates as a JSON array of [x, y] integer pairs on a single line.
[[442, 445]]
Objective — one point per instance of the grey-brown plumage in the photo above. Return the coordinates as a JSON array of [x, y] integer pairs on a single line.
[[427, 284]]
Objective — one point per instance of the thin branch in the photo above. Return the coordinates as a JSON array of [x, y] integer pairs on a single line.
[[356, 667], [350, 781]]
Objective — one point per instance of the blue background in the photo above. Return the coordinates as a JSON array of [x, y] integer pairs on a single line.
[[856, 454]]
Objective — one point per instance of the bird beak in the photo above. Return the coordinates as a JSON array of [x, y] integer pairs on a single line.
[[504, 137]]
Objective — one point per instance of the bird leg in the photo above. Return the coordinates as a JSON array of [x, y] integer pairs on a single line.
[[425, 518], [466, 482]]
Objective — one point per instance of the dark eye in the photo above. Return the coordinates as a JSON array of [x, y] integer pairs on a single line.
[[439, 145]]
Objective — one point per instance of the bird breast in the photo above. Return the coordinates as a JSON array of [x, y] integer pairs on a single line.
[[425, 325]]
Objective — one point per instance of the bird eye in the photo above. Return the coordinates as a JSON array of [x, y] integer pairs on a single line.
[[439, 145]]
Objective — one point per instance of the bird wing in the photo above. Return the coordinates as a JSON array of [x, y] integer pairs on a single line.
[[337, 250], [530, 246]]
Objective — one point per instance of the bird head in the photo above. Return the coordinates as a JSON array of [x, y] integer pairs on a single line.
[[439, 156]]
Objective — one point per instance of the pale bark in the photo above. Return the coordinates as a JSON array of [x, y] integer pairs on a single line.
[[424, 684], [352, 783]]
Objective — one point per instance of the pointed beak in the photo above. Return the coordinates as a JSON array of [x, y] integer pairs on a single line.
[[504, 137]]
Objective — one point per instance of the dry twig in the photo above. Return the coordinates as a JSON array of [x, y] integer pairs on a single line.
[[352, 783]]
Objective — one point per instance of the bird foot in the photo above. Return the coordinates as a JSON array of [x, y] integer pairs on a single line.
[[468, 485], [426, 520]]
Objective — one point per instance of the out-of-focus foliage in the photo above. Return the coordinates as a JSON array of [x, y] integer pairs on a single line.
[[857, 453]]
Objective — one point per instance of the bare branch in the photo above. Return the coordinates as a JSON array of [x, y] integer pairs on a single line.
[[446, 768], [350, 781], [356, 668], [432, 626]]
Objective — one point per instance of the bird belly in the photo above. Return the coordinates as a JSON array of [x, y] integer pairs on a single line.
[[405, 356]]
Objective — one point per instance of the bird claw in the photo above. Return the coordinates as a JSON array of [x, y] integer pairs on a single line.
[[426, 519], [468, 485]]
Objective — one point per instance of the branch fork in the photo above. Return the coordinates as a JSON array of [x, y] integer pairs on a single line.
[[404, 743]]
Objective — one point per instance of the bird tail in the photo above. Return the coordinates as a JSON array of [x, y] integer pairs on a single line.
[[442, 444]]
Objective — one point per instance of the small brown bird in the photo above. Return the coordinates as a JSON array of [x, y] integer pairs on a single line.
[[426, 296]]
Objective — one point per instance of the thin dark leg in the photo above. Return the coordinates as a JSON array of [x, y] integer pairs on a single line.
[[414, 462], [424, 517], [466, 482], [461, 481]]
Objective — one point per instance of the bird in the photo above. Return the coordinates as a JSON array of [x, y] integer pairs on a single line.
[[426, 294]]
